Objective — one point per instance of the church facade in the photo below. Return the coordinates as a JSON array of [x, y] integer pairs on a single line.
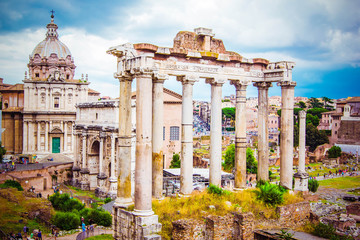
[[50, 96]]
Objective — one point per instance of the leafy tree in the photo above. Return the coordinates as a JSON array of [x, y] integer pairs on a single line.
[[175, 162], [314, 137], [2, 151], [63, 202], [312, 119], [229, 113], [229, 162], [251, 163], [302, 104], [229, 157], [316, 111], [296, 135], [327, 100], [334, 152], [314, 103]]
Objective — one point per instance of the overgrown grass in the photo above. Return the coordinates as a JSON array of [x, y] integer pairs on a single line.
[[84, 193], [341, 182], [197, 207], [12, 212], [101, 237]]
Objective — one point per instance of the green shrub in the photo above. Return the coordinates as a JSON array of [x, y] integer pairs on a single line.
[[100, 217], [260, 182], [329, 232], [270, 194], [66, 220], [213, 189], [313, 185], [107, 200], [334, 152], [63, 202], [12, 184]]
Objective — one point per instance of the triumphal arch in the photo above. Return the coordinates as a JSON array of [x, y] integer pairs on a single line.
[[195, 56]]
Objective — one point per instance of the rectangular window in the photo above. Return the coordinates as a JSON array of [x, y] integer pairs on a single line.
[[174, 133], [163, 133], [56, 102]]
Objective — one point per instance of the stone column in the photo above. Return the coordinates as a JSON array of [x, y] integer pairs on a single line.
[[38, 137], [302, 138], [240, 134], [46, 136], [263, 132], [30, 137], [84, 184], [25, 137], [157, 132], [112, 179], [83, 138], [72, 138], [65, 136], [186, 178], [143, 168], [287, 129], [101, 191], [215, 131], [124, 172]]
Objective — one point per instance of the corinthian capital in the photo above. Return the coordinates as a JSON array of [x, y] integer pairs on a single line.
[[160, 78], [302, 114], [215, 81], [241, 83], [123, 77], [188, 79], [286, 84], [262, 85]]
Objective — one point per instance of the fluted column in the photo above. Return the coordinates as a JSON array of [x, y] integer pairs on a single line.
[[124, 172], [157, 132], [46, 136], [186, 177], [287, 130], [263, 132], [215, 131], [240, 134], [143, 168], [72, 138], [30, 137]]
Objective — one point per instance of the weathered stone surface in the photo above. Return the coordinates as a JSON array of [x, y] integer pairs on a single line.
[[217, 227], [243, 226], [323, 209], [293, 214], [184, 229], [353, 208], [340, 222]]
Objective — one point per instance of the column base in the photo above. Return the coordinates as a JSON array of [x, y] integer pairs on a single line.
[[128, 225], [144, 213], [123, 202], [301, 182], [239, 189]]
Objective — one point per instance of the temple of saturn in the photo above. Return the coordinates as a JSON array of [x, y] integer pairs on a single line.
[[195, 56]]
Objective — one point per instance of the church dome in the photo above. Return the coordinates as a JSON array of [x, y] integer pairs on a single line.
[[51, 44], [51, 59]]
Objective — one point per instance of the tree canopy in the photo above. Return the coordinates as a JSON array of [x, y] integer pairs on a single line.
[[229, 160], [175, 162], [229, 113], [314, 137]]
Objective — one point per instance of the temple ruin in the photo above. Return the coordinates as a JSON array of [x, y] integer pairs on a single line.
[[195, 56]]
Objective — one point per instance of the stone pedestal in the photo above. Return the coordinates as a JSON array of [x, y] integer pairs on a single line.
[[85, 184], [113, 188], [101, 191], [128, 225], [76, 176], [301, 182]]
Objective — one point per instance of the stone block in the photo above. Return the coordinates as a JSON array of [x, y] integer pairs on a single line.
[[340, 222], [188, 229], [293, 214], [353, 208], [217, 227], [243, 226]]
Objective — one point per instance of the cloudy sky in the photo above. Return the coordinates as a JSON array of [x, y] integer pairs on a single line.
[[321, 36]]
